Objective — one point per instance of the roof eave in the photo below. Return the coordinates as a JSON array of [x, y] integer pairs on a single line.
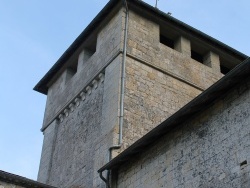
[[42, 85], [21, 181]]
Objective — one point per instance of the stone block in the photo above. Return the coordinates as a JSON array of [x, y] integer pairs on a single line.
[[183, 46]]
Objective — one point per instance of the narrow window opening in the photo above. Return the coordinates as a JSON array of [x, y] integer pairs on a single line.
[[73, 68], [196, 56], [224, 70], [90, 46], [167, 41], [70, 72], [86, 51]]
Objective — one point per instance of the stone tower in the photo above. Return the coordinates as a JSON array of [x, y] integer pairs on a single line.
[[120, 78]]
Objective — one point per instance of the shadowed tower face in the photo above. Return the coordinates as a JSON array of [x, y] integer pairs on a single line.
[[166, 66]]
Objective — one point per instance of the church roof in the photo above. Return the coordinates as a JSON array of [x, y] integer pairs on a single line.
[[21, 181], [42, 85], [202, 102]]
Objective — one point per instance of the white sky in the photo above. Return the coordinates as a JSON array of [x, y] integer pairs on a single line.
[[34, 34]]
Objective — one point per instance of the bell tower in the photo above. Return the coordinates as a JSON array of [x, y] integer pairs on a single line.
[[132, 64]]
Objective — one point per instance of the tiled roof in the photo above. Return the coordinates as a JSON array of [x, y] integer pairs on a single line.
[[21, 181]]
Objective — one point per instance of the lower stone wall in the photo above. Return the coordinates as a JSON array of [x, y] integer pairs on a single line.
[[211, 150], [47, 152], [75, 146]]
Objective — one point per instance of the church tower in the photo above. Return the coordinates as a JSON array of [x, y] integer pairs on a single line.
[[130, 69]]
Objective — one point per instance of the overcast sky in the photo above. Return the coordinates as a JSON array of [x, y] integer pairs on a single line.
[[35, 33]]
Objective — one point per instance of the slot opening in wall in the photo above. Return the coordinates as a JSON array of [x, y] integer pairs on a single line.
[[197, 56], [70, 72], [89, 46], [224, 70], [167, 41], [87, 50], [168, 36]]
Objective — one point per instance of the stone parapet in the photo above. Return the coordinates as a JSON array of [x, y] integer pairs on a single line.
[[107, 49]]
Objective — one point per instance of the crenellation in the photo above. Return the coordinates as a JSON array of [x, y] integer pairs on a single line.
[[183, 46], [93, 65]]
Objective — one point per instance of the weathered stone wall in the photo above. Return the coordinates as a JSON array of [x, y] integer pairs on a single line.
[[76, 148], [211, 150], [151, 97], [159, 80], [144, 44], [75, 145], [60, 92]]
